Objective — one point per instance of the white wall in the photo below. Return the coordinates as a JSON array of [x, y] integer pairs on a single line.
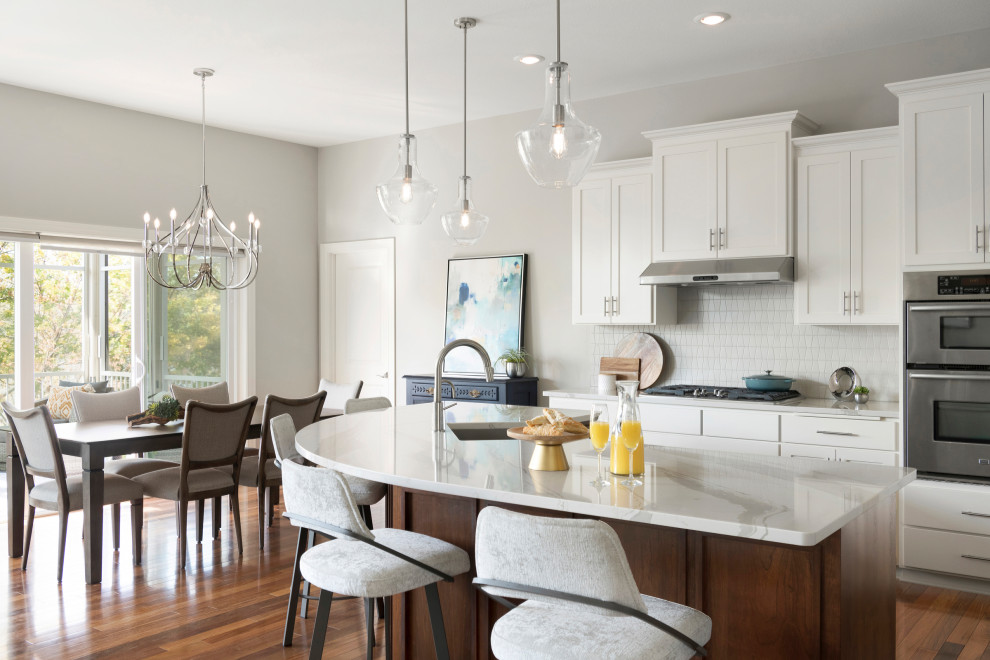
[[67, 160], [842, 93]]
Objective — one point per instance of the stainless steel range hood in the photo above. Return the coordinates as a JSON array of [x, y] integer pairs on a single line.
[[762, 270]]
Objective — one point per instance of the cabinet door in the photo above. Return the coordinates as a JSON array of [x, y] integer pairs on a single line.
[[875, 236], [632, 210], [943, 180], [822, 286], [591, 246], [753, 196], [685, 212]]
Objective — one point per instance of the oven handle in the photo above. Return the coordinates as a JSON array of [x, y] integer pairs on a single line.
[[955, 307], [954, 376]]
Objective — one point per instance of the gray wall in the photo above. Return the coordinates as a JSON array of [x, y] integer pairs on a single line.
[[68, 160], [841, 93]]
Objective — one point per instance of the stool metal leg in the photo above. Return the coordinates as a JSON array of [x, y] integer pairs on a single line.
[[436, 621], [290, 615], [365, 510], [320, 629], [311, 536], [369, 619], [388, 628]]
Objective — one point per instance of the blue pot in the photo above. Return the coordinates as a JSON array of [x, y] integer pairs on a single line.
[[768, 383]]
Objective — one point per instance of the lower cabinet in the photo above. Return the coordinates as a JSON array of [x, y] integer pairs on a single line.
[[947, 528], [796, 450]]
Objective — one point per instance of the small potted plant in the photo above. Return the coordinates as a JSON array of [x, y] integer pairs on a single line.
[[861, 394], [160, 412], [515, 362]]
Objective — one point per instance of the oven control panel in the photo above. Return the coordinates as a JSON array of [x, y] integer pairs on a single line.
[[964, 285]]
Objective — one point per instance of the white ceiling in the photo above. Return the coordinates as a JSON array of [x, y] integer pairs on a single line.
[[322, 72]]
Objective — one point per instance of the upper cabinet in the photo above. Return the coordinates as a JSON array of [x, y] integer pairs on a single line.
[[847, 268], [722, 190], [944, 128], [612, 211]]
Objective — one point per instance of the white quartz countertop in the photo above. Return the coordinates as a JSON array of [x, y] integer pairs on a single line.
[[785, 500], [802, 405]]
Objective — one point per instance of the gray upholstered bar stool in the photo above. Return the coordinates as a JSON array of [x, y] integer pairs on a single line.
[[581, 594], [37, 444], [361, 563], [338, 393], [96, 407]]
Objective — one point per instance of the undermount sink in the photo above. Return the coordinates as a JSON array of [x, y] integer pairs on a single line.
[[465, 431]]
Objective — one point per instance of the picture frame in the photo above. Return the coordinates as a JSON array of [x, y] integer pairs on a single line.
[[486, 302]]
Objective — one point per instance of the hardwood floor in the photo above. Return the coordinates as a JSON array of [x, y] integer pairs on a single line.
[[234, 607]]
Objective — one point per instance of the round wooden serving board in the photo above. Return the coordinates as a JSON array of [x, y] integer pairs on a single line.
[[519, 433], [645, 347]]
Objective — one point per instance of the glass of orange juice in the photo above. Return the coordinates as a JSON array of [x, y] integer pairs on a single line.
[[599, 429]]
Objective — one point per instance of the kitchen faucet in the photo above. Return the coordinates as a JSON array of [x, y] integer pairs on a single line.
[[438, 375]]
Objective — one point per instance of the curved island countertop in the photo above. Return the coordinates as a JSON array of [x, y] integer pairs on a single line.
[[784, 500]]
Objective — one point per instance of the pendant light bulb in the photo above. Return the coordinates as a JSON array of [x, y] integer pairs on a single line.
[[407, 198], [558, 142]]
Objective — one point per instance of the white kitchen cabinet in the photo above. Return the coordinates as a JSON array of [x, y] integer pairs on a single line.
[[612, 212], [845, 454], [792, 450], [848, 193], [945, 174], [722, 190], [873, 434], [947, 528]]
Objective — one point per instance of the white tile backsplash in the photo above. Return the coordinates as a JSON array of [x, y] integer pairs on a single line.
[[727, 332]]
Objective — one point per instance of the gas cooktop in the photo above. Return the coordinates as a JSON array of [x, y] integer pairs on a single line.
[[723, 393]]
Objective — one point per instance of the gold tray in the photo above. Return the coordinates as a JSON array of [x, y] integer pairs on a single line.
[[548, 454]]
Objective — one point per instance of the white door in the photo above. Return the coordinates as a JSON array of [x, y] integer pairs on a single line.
[[752, 196], [943, 181], [357, 315], [685, 213], [632, 211], [875, 223], [821, 290], [591, 246]]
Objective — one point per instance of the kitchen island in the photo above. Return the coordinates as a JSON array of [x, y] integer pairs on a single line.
[[791, 558]]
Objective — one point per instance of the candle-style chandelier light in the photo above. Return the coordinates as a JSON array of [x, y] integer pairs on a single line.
[[201, 250]]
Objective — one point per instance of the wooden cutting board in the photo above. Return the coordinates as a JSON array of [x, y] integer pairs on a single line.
[[645, 347], [621, 368]]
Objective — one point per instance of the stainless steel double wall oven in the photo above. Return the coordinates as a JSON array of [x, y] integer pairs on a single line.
[[947, 355]]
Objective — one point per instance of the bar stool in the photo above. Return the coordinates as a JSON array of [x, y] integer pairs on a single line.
[[359, 563], [581, 594]]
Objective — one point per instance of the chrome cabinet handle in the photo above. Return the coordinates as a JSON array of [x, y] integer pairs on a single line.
[[974, 513], [845, 302], [856, 309], [953, 376], [722, 237], [977, 307], [845, 433], [978, 231], [605, 299], [711, 240], [975, 557], [615, 306]]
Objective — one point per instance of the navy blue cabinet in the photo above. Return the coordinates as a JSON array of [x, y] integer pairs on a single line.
[[512, 391]]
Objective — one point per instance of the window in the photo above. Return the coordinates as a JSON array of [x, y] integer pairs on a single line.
[[6, 320], [116, 319], [60, 333]]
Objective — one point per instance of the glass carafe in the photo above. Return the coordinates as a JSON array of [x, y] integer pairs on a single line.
[[628, 413]]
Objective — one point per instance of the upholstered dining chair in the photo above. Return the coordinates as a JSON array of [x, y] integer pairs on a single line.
[[338, 393], [262, 473], [210, 394], [358, 562], [95, 407], [36, 441], [581, 594], [213, 437]]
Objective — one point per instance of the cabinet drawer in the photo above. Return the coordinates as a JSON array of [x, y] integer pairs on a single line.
[[947, 552], [426, 389], [476, 392], [955, 507], [866, 456], [712, 444], [741, 424], [671, 419], [807, 451], [839, 432]]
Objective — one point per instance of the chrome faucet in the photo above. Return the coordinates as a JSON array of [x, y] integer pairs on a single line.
[[438, 375]]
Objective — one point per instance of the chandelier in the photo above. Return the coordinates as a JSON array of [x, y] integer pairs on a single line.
[[201, 250]]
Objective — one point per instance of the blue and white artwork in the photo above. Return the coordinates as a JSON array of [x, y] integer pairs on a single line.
[[485, 300]]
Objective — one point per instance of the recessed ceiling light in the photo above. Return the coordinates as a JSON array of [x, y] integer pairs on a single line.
[[529, 59], [715, 18]]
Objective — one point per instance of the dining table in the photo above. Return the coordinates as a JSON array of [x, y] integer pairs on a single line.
[[94, 443]]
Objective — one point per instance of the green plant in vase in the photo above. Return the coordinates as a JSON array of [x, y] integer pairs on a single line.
[[861, 394], [167, 409], [515, 360]]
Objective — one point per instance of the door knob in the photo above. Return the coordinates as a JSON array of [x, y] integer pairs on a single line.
[[384, 375]]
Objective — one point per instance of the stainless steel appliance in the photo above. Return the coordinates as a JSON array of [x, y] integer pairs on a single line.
[[947, 355], [756, 270]]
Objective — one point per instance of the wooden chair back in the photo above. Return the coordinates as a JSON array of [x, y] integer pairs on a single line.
[[303, 411]]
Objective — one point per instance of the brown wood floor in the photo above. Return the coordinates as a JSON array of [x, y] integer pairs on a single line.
[[234, 607]]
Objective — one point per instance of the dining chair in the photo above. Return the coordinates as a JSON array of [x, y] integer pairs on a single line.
[[210, 394], [36, 442], [96, 407], [213, 437], [580, 593], [263, 473], [363, 405], [360, 563], [338, 393]]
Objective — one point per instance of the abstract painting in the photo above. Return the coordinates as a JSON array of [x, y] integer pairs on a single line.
[[486, 300]]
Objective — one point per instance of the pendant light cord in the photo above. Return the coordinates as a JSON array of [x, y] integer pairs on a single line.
[[465, 28], [558, 30], [406, 12], [203, 81]]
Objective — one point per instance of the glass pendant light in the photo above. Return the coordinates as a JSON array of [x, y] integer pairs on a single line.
[[462, 223], [558, 150], [407, 197]]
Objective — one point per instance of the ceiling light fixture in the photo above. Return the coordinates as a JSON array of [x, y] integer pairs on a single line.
[[716, 18], [407, 198], [463, 223], [560, 148], [202, 250], [529, 60]]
